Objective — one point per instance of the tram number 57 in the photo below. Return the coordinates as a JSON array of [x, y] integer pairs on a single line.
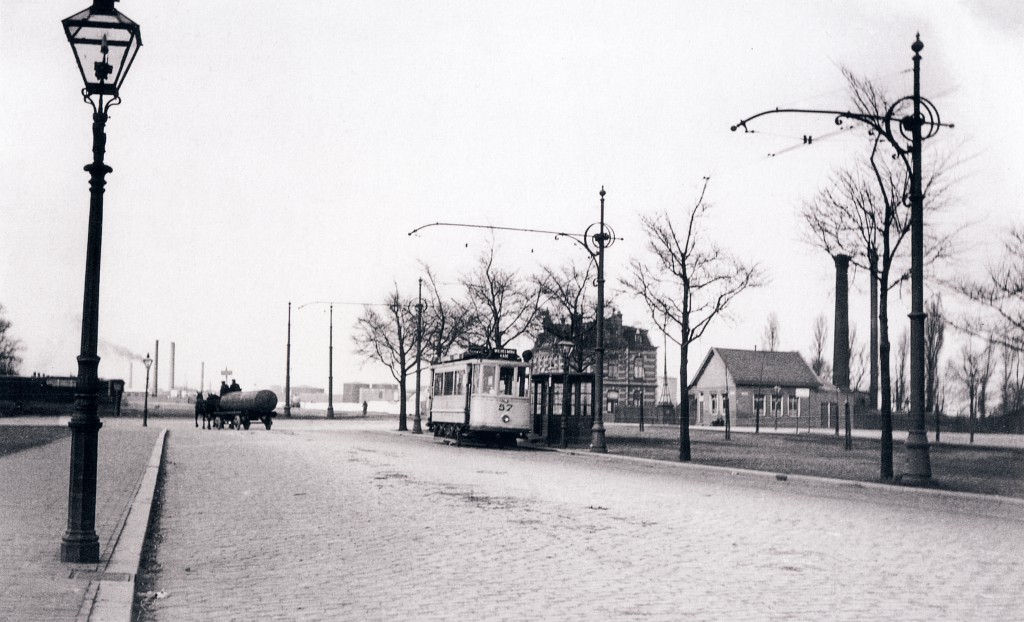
[[504, 405]]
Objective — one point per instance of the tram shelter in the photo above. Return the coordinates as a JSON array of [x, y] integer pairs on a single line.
[[548, 407]]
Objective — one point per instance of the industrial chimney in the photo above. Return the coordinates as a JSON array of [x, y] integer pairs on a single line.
[[841, 344]]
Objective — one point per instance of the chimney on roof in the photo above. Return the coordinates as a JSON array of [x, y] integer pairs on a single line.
[[841, 330]]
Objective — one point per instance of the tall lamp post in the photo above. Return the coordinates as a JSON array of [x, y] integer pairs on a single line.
[[105, 43], [900, 126], [330, 364], [565, 348], [595, 240], [417, 427], [148, 362], [288, 367]]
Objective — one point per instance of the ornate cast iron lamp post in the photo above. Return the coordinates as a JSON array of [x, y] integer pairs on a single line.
[[105, 43], [148, 362], [905, 125]]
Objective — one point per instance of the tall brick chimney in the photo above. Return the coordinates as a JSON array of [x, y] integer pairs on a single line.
[[156, 369], [841, 330], [172, 366]]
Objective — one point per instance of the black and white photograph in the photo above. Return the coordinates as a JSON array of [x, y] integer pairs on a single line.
[[506, 311]]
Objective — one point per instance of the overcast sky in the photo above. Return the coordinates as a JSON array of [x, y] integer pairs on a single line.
[[268, 152]]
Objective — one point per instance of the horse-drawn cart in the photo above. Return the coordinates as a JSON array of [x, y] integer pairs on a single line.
[[239, 409]]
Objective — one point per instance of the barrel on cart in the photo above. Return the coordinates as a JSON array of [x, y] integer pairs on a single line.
[[241, 408]]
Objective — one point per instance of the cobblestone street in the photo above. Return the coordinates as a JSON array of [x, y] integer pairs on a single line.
[[349, 520]]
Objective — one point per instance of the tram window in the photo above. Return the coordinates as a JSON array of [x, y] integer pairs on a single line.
[[507, 374], [460, 376], [487, 372], [448, 382], [524, 377], [438, 383]]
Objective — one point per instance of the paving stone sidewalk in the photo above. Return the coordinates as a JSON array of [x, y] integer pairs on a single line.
[[34, 583]]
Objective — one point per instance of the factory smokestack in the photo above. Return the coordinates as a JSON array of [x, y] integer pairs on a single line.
[[172, 365], [841, 344], [156, 368]]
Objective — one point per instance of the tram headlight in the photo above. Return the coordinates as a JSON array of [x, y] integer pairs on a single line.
[[506, 418]]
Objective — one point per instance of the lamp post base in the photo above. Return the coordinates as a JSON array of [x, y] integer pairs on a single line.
[[597, 444], [918, 467], [80, 548], [80, 544]]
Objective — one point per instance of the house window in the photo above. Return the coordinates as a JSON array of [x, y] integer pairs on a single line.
[[714, 403], [777, 404], [638, 367], [759, 402], [794, 404]]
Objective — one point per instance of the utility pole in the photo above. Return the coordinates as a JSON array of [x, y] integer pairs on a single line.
[[417, 427], [330, 366], [288, 367]]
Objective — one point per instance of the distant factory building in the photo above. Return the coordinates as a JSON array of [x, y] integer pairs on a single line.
[[358, 392]]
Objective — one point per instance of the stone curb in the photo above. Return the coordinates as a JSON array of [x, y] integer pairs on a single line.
[[114, 596], [810, 480], [807, 480]]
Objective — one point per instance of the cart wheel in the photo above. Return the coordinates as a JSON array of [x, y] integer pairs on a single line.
[[246, 422], [237, 421], [218, 423]]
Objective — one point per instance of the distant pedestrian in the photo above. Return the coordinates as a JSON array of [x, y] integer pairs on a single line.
[[234, 386], [224, 388], [364, 407], [200, 406]]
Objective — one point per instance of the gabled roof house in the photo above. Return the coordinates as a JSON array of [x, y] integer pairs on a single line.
[[748, 383]]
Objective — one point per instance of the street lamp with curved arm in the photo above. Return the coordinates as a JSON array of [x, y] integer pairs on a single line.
[[898, 126], [594, 240]]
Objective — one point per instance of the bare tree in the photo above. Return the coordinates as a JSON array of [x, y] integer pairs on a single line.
[[819, 346], [770, 336], [566, 294], [445, 322], [985, 370], [858, 361], [502, 305], [899, 387], [864, 213], [1001, 294], [388, 336], [687, 284], [968, 373], [1011, 387], [10, 362], [934, 336]]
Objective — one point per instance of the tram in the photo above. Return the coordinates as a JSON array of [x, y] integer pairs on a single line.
[[481, 394]]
